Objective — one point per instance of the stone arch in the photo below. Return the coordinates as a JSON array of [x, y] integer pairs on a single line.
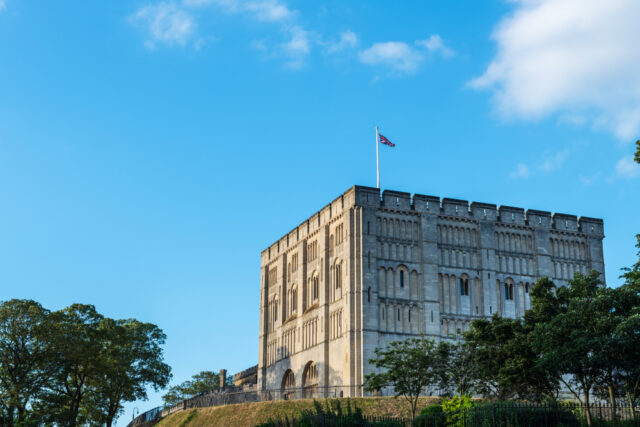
[[402, 280], [288, 385], [310, 380], [464, 285]]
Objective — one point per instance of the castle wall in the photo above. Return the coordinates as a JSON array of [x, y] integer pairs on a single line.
[[372, 268]]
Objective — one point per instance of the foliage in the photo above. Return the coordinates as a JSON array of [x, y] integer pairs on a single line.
[[456, 368], [456, 408], [25, 366], [74, 366], [333, 415], [504, 362], [199, 383], [637, 155], [408, 366]]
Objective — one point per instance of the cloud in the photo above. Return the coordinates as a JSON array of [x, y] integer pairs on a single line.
[[553, 161], [268, 10], [435, 44], [398, 56], [297, 48], [401, 56], [3, 4], [568, 57], [627, 168], [548, 163], [348, 40], [521, 171], [165, 23]]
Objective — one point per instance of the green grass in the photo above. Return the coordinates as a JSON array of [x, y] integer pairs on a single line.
[[250, 414]]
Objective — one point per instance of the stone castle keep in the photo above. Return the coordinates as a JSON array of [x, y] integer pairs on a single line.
[[365, 271]]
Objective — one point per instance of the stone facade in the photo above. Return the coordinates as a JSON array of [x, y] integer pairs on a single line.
[[367, 270]]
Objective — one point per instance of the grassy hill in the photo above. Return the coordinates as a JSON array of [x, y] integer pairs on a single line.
[[250, 414]]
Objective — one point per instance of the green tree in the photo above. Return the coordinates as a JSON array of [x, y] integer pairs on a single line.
[[77, 343], [570, 342], [627, 343], [199, 383], [455, 366], [408, 366], [131, 360], [504, 360], [25, 364], [637, 156]]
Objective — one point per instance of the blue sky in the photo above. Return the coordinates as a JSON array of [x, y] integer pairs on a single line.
[[150, 150]]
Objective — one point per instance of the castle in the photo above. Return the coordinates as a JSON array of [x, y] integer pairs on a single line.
[[367, 270]]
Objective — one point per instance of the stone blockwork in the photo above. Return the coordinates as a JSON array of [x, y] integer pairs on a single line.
[[371, 268]]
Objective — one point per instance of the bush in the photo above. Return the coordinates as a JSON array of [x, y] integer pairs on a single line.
[[431, 416]]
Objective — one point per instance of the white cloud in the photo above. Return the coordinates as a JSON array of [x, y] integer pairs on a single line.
[[401, 56], [627, 168], [165, 23], [3, 4], [553, 161], [268, 10], [435, 44], [570, 57], [297, 48], [348, 40], [521, 171], [398, 56]]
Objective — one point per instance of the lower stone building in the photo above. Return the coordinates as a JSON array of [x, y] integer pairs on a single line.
[[372, 268]]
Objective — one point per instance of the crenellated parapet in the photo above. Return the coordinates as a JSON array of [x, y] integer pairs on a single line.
[[369, 197]]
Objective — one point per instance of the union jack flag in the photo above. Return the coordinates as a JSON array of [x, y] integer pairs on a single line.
[[384, 140]]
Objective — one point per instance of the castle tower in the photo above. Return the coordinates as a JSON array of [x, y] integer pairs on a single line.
[[368, 269]]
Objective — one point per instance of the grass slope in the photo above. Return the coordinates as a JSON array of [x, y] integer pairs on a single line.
[[250, 414]]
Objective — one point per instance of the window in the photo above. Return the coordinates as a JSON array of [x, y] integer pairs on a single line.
[[401, 279], [464, 286], [369, 294], [398, 314], [508, 291], [338, 278], [314, 288]]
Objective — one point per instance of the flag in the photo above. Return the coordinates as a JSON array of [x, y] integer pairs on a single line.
[[384, 140]]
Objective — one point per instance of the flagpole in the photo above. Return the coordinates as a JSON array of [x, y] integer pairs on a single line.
[[377, 157]]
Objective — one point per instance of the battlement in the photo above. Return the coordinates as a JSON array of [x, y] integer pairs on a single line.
[[373, 198]]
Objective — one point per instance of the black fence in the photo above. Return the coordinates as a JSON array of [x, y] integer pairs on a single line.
[[226, 397], [481, 415]]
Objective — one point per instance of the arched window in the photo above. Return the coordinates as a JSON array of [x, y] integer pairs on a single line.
[[401, 279], [338, 278], [315, 292], [464, 286], [369, 294]]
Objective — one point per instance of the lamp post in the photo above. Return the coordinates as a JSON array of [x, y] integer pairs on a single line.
[[133, 414]]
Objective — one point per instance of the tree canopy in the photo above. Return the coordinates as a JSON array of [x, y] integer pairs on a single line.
[[74, 366]]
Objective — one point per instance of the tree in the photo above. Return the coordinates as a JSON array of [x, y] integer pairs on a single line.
[[569, 343], [199, 383], [408, 366], [455, 365], [505, 361], [77, 344], [637, 156], [627, 343], [131, 359], [24, 358]]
